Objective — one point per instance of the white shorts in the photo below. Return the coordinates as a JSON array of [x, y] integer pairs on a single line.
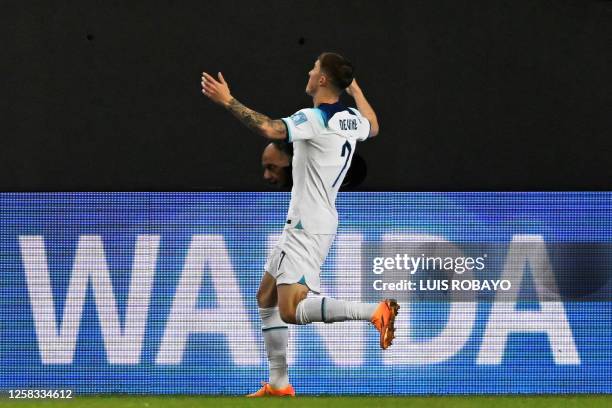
[[298, 256]]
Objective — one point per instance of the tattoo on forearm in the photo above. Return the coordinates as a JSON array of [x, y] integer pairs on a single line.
[[251, 119]]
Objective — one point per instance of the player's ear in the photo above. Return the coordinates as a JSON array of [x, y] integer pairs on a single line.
[[323, 81]]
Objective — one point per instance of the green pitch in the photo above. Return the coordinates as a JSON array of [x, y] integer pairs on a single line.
[[124, 401]]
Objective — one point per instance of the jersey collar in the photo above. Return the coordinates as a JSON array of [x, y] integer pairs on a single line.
[[330, 109]]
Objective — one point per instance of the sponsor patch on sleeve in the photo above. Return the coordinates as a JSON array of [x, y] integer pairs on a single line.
[[298, 118]]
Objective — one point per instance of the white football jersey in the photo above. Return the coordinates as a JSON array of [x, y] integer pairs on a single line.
[[324, 141]]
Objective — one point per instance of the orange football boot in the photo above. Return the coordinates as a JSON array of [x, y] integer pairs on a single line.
[[268, 391], [384, 319]]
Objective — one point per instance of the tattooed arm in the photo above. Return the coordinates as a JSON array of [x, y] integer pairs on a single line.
[[257, 122], [218, 92]]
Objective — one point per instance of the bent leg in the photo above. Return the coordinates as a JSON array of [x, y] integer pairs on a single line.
[[296, 308], [289, 296], [331, 310]]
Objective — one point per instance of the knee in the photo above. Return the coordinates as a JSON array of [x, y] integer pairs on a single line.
[[287, 314], [289, 297]]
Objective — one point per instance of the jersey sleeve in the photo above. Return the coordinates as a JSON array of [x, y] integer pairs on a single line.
[[300, 126]]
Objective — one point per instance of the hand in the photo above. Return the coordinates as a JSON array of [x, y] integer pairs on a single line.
[[353, 88], [216, 91]]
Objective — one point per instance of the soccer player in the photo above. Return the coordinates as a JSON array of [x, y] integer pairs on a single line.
[[324, 139]]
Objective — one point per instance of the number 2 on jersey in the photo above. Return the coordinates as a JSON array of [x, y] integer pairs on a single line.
[[346, 151]]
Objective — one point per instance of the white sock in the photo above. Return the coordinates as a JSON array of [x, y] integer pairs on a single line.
[[330, 310], [276, 334]]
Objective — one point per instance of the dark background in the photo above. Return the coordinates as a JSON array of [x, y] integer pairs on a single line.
[[471, 95]]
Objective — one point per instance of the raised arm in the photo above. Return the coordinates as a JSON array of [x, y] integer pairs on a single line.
[[363, 106], [218, 91]]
